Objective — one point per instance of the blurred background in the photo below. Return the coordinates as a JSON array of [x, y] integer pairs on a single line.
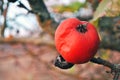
[[27, 27]]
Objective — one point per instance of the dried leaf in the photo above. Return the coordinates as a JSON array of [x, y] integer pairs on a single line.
[[110, 8]]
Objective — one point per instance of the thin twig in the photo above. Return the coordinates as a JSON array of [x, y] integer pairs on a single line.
[[115, 68]]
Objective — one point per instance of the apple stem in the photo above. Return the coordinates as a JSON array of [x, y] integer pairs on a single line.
[[115, 68]]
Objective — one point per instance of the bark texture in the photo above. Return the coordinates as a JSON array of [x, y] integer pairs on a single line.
[[109, 28], [47, 23]]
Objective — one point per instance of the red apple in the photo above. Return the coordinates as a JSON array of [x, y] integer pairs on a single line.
[[76, 41]]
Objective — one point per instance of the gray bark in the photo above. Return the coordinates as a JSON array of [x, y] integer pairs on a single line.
[[109, 28]]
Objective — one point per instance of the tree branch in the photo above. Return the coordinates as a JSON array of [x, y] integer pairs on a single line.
[[109, 28], [35, 41], [115, 68], [39, 7], [47, 23]]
